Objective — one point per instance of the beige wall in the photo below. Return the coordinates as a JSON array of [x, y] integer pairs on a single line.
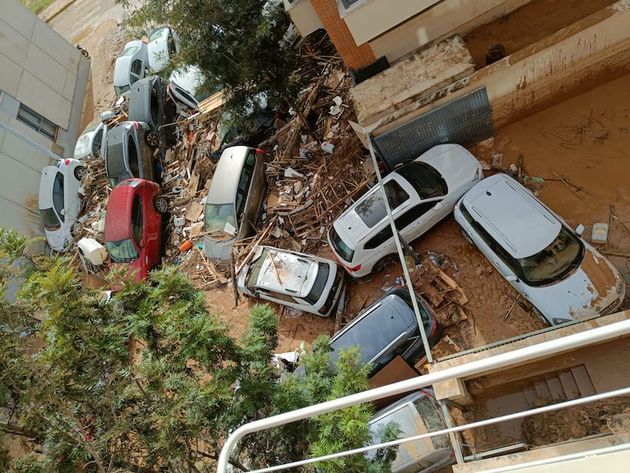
[[303, 16], [370, 18], [444, 19], [41, 70]]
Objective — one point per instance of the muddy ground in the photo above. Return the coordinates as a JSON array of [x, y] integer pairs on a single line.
[[528, 24]]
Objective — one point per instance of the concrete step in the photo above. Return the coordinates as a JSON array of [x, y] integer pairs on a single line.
[[583, 381], [569, 385], [556, 389]]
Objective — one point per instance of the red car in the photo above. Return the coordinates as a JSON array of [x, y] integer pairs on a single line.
[[133, 225]]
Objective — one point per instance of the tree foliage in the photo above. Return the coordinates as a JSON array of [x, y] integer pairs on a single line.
[[239, 45], [149, 381]]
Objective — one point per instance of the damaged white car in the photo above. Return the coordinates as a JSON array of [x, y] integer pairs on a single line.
[[560, 274]]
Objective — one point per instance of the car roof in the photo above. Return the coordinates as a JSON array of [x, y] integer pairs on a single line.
[[140, 99], [121, 70], [45, 186], [227, 174], [285, 271], [512, 215], [382, 322], [118, 215]]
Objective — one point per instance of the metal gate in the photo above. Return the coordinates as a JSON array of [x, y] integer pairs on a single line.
[[464, 121]]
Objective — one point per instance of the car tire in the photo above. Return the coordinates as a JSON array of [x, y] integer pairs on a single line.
[[382, 263], [152, 139], [80, 172], [160, 204]]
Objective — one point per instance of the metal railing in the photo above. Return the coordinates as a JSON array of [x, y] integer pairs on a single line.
[[474, 368]]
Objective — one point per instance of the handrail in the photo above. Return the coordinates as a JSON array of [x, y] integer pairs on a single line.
[[459, 428], [502, 360]]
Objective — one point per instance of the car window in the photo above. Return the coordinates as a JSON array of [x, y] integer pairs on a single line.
[[121, 251], [380, 238], [155, 108], [426, 180], [372, 209], [403, 346], [49, 217], [321, 279], [172, 49], [414, 214], [57, 195], [217, 216], [136, 219], [132, 156], [340, 246], [130, 51], [136, 67], [96, 143], [244, 183], [279, 296], [432, 419]]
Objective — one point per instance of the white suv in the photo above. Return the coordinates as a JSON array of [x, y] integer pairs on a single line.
[[560, 274], [420, 193], [303, 282]]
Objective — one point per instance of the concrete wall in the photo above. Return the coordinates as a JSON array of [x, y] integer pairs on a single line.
[[303, 16], [43, 71]]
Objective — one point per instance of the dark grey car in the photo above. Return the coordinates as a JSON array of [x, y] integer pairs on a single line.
[[130, 147], [150, 102]]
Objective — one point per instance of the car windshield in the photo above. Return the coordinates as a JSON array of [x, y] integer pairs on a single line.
[[83, 145], [217, 216], [555, 261], [122, 251], [425, 179], [343, 250], [49, 217], [372, 209], [320, 282], [115, 159]]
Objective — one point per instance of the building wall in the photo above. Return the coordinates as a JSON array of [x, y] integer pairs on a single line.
[[354, 56], [44, 72], [303, 16]]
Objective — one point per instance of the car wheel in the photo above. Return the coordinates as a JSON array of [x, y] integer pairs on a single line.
[[80, 172], [382, 263], [160, 204], [152, 139]]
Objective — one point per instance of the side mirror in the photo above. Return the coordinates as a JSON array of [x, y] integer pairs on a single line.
[[579, 230], [511, 278]]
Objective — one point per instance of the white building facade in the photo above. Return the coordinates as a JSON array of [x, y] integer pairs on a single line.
[[43, 85]]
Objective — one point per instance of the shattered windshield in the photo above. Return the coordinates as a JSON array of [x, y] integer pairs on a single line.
[[49, 217], [122, 251], [218, 216], [555, 261], [372, 209]]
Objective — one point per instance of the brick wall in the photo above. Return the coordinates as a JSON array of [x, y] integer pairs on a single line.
[[353, 56]]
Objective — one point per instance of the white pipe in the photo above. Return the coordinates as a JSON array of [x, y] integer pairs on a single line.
[[502, 360], [401, 254], [459, 428]]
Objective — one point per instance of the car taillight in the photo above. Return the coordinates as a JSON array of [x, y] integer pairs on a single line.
[[66, 162], [354, 268], [260, 152], [135, 125]]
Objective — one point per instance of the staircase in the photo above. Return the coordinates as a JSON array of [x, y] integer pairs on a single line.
[[560, 386]]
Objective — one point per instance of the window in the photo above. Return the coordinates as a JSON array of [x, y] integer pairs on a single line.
[[136, 70], [414, 214], [57, 195], [121, 251], [349, 3], [321, 279], [96, 144], [372, 209], [279, 296], [49, 217], [37, 122], [217, 216], [244, 183], [425, 180], [342, 249], [380, 238], [136, 219], [132, 154], [172, 48], [155, 104]]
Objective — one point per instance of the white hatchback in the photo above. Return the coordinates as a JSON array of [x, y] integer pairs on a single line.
[[560, 274], [420, 193], [60, 201], [130, 66], [303, 282]]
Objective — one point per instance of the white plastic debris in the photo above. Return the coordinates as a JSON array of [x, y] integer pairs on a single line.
[[599, 234], [229, 228], [328, 147], [290, 172], [179, 221], [92, 251]]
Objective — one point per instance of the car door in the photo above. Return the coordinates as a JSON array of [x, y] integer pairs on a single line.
[[419, 218], [152, 225]]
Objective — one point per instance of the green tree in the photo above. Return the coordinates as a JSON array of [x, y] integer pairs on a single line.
[[238, 44], [149, 381]]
